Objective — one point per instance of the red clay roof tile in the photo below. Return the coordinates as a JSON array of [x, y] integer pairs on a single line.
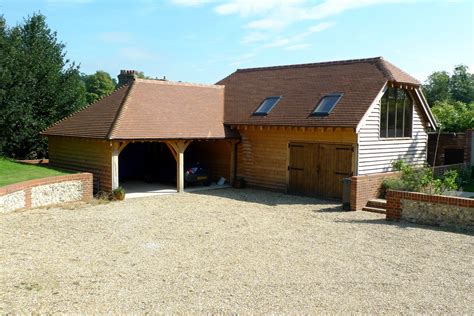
[[151, 109], [303, 86]]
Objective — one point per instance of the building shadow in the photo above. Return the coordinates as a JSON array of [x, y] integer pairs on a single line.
[[272, 198], [407, 225]]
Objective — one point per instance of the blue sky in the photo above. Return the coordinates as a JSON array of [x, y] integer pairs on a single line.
[[205, 40]]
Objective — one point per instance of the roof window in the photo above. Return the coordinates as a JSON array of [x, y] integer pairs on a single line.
[[327, 104], [267, 105]]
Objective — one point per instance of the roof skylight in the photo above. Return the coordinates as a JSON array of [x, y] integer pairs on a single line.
[[327, 104], [267, 105]]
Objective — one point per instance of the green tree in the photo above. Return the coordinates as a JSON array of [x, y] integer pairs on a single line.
[[461, 84], [454, 116], [38, 86], [98, 85], [436, 87], [141, 75], [440, 86]]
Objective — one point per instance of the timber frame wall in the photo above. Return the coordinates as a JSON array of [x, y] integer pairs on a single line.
[[83, 154], [263, 154]]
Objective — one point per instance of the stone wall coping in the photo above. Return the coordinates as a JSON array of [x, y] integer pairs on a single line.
[[43, 181]]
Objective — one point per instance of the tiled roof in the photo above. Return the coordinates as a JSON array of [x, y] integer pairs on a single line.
[[95, 121], [151, 109], [303, 86]]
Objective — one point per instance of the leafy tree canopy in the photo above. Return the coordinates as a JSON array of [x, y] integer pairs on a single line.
[[141, 75], [454, 116], [440, 86], [452, 98], [98, 85], [38, 86]]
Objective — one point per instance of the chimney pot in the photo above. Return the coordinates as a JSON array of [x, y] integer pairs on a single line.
[[126, 76]]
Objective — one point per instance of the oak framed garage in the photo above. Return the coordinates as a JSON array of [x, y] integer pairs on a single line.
[[298, 129], [169, 116]]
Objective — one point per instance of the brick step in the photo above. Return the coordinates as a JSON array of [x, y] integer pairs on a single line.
[[374, 210], [377, 203]]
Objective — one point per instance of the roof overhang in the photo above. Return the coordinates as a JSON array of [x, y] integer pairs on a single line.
[[414, 91], [426, 108]]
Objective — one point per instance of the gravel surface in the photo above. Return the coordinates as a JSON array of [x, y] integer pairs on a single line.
[[229, 251]]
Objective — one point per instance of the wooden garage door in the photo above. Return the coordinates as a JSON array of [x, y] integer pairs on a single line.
[[318, 169]]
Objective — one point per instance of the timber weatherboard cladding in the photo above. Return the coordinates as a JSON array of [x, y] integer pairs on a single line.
[[262, 155], [377, 154], [90, 155]]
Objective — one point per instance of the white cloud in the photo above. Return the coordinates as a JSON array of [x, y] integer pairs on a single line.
[[253, 7], [253, 37], [190, 3], [297, 47], [279, 42], [242, 59], [67, 2], [282, 13], [295, 42], [265, 20], [321, 27], [115, 37]]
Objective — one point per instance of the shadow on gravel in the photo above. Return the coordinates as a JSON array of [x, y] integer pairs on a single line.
[[270, 198], [407, 225], [333, 209]]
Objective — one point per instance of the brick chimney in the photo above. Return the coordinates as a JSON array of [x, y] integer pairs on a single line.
[[126, 76]]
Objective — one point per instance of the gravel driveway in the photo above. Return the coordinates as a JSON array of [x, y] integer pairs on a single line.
[[229, 251]]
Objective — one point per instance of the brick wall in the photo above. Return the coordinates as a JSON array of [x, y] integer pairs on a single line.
[[448, 141], [19, 195], [430, 209], [366, 187]]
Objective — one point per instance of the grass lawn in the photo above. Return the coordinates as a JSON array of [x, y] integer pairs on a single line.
[[13, 172]]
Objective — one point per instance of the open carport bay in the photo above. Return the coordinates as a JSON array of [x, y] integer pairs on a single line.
[[226, 251], [150, 166]]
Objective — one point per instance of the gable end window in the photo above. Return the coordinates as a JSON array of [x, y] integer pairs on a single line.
[[327, 104], [396, 114], [267, 105]]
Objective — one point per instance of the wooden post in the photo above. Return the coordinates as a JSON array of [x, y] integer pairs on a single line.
[[117, 147], [177, 149]]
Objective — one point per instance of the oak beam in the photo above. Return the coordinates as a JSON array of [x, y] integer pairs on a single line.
[[178, 148]]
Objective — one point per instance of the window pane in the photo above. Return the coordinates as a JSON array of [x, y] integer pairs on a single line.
[[383, 116], [396, 113], [327, 104], [267, 105], [392, 104], [400, 113]]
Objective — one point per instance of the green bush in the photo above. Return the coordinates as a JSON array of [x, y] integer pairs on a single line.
[[392, 184], [421, 179], [119, 193]]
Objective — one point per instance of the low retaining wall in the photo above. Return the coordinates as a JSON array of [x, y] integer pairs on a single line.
[[367, 187], [46, 191], [438, 210]]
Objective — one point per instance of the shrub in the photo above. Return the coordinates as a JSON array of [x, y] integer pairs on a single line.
[[392, 184], [420, 179], [119, 193]]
